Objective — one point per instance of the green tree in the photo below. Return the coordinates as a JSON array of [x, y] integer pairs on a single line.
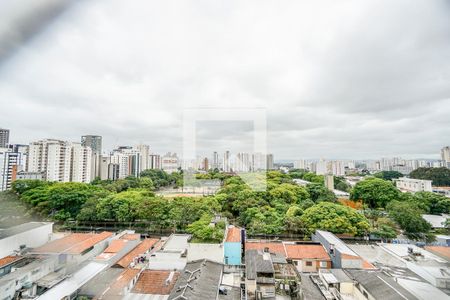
[[439, 176], [289, 193], [293, 219], [203, 231], [375, 192], [388, 175], [319, 193], [409, 217], [335, 218]]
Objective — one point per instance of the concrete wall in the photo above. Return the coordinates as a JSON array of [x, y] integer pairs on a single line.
[[33, 238], [232, 253]]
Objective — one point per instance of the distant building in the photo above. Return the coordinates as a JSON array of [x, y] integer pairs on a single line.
[[300, 164], [226, 162], [23, 175], [8, 168], [155, 161], [170, 162], [4, 138], [329, 182], [215, 161], [60, 160], [270, 161], [413, 185], [445, 154], [95, 143]]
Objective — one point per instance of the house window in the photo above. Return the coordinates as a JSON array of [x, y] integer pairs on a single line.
[[309, 263], [323, 264], [295, 262]]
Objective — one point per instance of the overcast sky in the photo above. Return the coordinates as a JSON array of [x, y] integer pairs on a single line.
[[339, 79]]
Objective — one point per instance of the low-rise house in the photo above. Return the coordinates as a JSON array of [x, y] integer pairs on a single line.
[[200, 280], [233, 245], [341, 255], [273, 246], [405, 184], [153, 283], [259, 274], [308, 257], [140, 250], [27, 235]]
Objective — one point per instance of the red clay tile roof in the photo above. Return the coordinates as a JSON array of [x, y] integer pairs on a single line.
[[302, 251], [8, 259], [143, 247], [367, 265], [440, 250], [74, 243], [115, 246], [154, 282], [274, 247], [348, 256], [131, 236], [233, 235]]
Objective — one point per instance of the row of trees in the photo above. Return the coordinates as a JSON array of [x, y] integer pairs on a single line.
[[284, 207]]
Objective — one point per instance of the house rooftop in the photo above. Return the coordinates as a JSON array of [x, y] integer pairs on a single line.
[[177, 242], [4, 233], [140, 249], [9, 260], [274, 247], [75, 243], [233, 234], [379, 285], [305, 251], [337, 243], [213, 252], [258, 261], [117, 288], [200, 280], [156, 282], [436, 221], [442, 251]]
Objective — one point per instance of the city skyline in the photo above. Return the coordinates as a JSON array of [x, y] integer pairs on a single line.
[[375, 85]]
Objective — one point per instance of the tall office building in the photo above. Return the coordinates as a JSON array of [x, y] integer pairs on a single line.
[[4, 138], [60, 160], [95, 143]]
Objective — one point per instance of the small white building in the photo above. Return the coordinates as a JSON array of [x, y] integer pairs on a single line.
[[413, 185], [29, 235]]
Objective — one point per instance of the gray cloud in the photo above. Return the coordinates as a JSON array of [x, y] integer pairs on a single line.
[[354, 79]]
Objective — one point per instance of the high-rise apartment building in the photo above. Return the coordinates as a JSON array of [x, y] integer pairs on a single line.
[[300, 164], [215, 161], [155, 161], [445, 154], [226, 161], [270, 165], [170, 162], [95, 143], [92, 141], [8, 167], [60, 160], [4, 138]]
